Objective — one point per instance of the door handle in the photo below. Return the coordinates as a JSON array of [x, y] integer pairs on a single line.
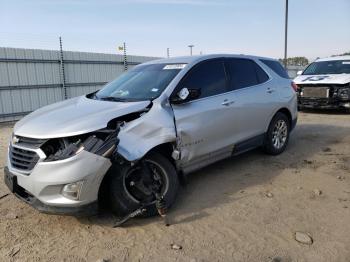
[[270, 90], [227, 102]]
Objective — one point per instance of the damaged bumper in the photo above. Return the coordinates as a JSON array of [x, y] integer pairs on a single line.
[[322, 103], [44, 188]]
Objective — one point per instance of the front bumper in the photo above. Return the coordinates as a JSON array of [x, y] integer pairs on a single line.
[[21, 193], [42, 188], [322, 103]]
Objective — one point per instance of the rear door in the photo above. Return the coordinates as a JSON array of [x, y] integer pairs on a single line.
[[203, 125], [255, 97]]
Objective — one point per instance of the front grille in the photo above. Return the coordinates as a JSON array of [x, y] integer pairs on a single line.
[[23, 159], [31, 142]]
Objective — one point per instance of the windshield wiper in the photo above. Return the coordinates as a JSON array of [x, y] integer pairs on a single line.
[[112, 98]]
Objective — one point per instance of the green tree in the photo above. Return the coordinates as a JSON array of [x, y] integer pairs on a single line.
[[296, 61]]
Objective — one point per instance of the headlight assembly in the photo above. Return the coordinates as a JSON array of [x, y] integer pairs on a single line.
[[102, 142], [344, 93]]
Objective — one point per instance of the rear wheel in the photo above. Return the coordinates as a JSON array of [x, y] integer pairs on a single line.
[[277, 136], [128, 190]]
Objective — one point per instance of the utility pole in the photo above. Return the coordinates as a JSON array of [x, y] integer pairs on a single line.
[[125, 58], [191, 47], [168, 52], [286, 35], [64, 88]]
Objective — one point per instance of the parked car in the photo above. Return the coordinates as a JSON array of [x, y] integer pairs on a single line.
[[159, 120], [325, 83]]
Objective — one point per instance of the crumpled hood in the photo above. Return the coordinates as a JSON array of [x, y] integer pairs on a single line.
[[323, 79], [75, 116]]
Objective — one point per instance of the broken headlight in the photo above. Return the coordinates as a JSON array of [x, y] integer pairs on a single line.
[[102, 142], [344, 93], [61, 148]]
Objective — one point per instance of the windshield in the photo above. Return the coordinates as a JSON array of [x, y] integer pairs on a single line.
[[328, 67], [145, 82]]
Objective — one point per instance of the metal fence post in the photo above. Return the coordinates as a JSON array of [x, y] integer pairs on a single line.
[[286, 36], [125, 58], [64, 87]]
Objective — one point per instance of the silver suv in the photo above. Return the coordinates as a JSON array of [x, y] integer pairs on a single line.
[[131, 141]]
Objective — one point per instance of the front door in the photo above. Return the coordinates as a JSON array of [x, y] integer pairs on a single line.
[[203, 125]]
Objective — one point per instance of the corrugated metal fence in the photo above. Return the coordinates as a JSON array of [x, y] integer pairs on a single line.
[[30, 78]]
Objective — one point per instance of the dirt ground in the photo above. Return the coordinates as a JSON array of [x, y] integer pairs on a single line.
[[247, 208]]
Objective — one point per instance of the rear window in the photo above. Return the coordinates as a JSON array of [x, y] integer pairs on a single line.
[[244, 73], [262, 76], [276, 67]]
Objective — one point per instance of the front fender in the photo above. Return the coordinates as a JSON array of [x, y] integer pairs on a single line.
[[138, 137], [133, 147]]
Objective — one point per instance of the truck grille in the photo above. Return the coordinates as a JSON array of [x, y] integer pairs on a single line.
[[23, 159]]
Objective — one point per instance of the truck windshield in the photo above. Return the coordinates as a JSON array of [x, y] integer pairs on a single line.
[[328, 67], [144, 82]]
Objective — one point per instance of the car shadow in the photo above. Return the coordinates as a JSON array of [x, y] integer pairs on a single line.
[[230, 179]]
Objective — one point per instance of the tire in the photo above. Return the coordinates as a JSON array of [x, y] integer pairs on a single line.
[[279, 122], [122, 198]]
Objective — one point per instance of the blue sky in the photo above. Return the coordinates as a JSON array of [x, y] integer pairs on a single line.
[[317, 28]]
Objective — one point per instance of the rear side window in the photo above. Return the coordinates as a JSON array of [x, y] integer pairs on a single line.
[[244, 73], [208, 76], [276, 67], [262, 76]]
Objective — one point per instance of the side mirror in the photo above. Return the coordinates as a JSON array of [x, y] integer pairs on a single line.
[[299, 72], [185, 94]]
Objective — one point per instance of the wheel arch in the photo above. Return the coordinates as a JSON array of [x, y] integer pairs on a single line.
[[166, 149], [284, 111]]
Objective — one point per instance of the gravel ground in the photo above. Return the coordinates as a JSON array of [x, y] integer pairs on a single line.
[[247, 208]]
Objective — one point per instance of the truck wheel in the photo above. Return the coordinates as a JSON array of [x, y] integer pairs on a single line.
[[127, 190], [277, 136]]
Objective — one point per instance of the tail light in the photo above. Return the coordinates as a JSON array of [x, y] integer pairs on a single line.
[[294, 86]]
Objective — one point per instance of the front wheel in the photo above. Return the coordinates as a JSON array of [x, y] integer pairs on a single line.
[[277, 136], [128, 190]]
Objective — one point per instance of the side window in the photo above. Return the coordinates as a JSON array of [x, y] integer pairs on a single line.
[[262, 76], [276, 67], [242, 72], [209, 77]]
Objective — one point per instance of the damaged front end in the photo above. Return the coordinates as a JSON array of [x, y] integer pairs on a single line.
[[102, 142], [63, 175], [324, 96]]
